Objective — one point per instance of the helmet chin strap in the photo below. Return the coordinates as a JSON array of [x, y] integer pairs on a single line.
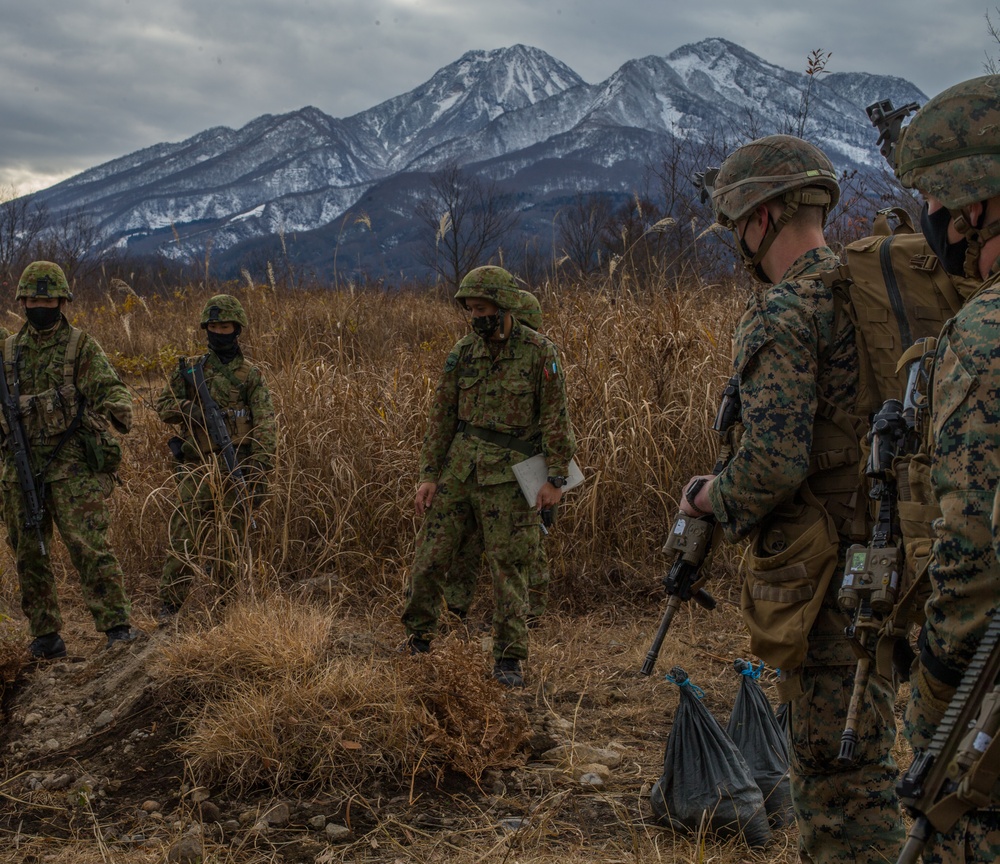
[[792, 200], [977, 237]]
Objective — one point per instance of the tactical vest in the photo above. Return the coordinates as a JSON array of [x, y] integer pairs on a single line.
[[48, 415]]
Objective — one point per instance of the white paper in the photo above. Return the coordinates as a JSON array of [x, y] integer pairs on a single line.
[[532, 473]]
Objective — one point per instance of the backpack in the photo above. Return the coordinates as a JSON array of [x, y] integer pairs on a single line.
[[899, 297]]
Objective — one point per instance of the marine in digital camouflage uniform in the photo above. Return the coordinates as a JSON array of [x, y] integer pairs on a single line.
[[239, 389], [502, 392], [950, 152], [798, 379], [72, 459], [463, 575]]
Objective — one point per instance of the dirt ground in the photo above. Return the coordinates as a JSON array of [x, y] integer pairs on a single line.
[[91, 769]]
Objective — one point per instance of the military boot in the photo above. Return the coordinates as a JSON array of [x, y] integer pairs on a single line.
[[414, 645], [47, 647], [120, 633], [508, 672]]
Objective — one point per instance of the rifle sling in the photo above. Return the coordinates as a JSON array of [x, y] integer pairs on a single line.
[[501, 439]]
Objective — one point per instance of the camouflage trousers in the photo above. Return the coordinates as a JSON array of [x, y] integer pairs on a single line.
[[510, 540], [462, 579], [844, 814], [207, 530], [975, 839], [78, 508]]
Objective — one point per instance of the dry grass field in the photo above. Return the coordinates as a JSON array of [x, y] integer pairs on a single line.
[[289, 692]]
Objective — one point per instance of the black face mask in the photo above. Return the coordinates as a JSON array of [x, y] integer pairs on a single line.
[[935, 228], [43, 317], [486, 325], [224, 345]]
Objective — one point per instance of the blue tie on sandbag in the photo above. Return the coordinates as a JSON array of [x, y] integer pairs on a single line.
[[757, 733]]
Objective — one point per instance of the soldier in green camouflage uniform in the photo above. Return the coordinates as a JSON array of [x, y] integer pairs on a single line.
[[70, 399], [463, 575], [238, 388], [950, 152], [798, 379], [500, 398]]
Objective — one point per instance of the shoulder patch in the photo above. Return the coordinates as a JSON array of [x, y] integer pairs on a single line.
[[451, 361]]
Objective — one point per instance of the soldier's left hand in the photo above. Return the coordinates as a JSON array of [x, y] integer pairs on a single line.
[[548, 496], [702, 504]]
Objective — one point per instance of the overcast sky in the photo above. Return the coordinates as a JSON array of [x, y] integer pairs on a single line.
[[86, 81]]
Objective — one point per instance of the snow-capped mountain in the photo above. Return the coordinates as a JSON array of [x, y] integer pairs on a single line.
[[515, 113]]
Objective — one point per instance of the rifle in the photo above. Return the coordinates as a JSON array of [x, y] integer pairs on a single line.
[[889, 123], [691, 538], [959, 769], [218, 432], [870, 586], [17, 445]]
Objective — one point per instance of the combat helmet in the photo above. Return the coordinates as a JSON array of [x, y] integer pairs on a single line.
[[778, 167], [951, 148], [222, 308], [43, 279], [529, 312], [490, 283]]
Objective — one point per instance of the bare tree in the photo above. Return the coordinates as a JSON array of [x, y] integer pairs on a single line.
[[468, 218], [580, 228], [22, 221], [815, 66], [991, 66], [73, 242]]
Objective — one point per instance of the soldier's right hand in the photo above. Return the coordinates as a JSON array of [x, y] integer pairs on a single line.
[[191, 409], [425, 495]]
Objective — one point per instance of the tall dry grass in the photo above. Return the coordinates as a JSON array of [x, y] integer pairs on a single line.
[[352, 374]]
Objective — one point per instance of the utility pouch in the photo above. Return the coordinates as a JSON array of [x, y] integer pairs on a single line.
[[102, 452], [792, 560]]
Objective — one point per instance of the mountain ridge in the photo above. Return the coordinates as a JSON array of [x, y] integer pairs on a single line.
[[497, 112]]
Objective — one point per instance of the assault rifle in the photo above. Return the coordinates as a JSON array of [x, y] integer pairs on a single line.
[[218, 432], [960, 767], [889, 123], [691, 538], [17, 446], [871, 574]]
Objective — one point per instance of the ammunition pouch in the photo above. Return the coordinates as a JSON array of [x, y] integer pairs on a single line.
[[793, 557]]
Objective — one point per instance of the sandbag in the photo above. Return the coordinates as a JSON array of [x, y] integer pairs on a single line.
[[705, 780], [758, 735]]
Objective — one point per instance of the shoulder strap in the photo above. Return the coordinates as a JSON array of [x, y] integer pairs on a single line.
[[9, 351], [72, 354], [238, 378]]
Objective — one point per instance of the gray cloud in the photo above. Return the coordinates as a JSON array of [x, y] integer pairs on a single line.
[[86, 81]]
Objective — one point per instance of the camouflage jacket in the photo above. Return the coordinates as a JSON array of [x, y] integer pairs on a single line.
[[790, 363], [521, 392], [241, 393], [965, 477], [48, 410]]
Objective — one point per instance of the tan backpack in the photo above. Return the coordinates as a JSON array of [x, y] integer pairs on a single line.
[[897, 294]]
